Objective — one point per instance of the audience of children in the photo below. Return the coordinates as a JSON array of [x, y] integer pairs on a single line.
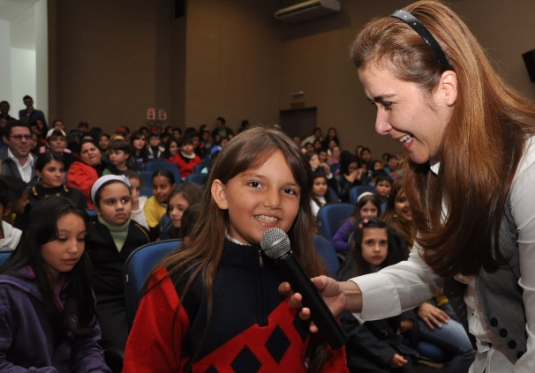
[[48, 321], [380, 345], [113, 237], [109, 247], [180, 199], [184, 321]]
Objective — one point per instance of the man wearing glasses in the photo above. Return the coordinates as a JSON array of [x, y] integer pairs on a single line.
[[16, 159]]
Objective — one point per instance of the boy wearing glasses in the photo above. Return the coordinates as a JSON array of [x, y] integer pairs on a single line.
[[16, 159]]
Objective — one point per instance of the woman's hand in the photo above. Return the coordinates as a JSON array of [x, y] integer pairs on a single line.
[[397, 361], [432, 315], [338, 296]]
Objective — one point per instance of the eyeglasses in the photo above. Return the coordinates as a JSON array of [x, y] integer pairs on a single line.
[[20, 137], [425, 34]]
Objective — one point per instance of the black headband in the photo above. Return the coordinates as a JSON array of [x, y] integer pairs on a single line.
[[417, 26]]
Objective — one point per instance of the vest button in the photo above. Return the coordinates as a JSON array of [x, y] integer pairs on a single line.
[[494, 322], [512, 345], [503, 333]]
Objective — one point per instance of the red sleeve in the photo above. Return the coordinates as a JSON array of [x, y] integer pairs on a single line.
[[82, 177], [186, 169], [154, 343]]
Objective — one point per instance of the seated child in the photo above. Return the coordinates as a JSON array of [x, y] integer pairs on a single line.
[[189, 218], [18, 199], [186, 159], [155, 149], [9, 236], [368, 206], [118, 154], [138, 201], [383, 186], [48, 321], [180, 199], [163, 182], [320, 192], [112, 239], [376, 346]]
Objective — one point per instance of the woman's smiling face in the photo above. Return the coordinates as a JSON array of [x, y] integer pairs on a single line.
[[416, 119]]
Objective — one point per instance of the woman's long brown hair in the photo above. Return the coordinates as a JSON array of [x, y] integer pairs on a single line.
[[249, 150], [481, 146]]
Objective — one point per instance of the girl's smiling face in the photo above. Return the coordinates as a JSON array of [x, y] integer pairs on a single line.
[[161, 188], [259, 199], [416, 119]]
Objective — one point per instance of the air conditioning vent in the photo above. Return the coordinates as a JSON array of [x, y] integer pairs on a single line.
[[308, 10]]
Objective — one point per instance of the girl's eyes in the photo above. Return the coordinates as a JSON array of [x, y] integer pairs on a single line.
[[369, 242], [62, 239], [290, 191], [383, 242], [254, 184]]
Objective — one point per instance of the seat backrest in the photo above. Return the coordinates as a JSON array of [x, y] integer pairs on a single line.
[[145, 191], [331, 216], [138, 267], [159, 165], [355, 192], [146, 178], [4, 256], [199, 179], [205, 163], [326, 252], [334, 196]]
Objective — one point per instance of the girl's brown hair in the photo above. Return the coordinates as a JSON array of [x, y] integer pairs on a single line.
[[249, 150], [481, 146]]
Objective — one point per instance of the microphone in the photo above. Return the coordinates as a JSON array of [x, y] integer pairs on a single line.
[[276, 245]]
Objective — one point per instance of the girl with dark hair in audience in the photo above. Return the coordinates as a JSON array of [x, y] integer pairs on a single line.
[[50, 169], [163, 182], [48, 321], [320, 191], [113, 238], [180, 199], [377, 346], [18, 201], [368, 206], [83, 173], [140, 154], [214, 304], [188, 221], [171, 150]]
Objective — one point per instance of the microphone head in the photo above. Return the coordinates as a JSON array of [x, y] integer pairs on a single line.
[[275, 243]]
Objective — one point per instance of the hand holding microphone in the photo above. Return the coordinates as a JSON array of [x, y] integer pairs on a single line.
[[276, 245]]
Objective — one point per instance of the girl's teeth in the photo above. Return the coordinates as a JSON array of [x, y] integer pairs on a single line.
[[268, 219]]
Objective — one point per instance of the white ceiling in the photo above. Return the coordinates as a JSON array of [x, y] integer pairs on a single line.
[[21, 16]]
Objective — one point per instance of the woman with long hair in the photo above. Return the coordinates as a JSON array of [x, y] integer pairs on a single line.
[[471, 152]]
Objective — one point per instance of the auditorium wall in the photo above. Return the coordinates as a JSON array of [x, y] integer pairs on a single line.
[[114, 59]]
